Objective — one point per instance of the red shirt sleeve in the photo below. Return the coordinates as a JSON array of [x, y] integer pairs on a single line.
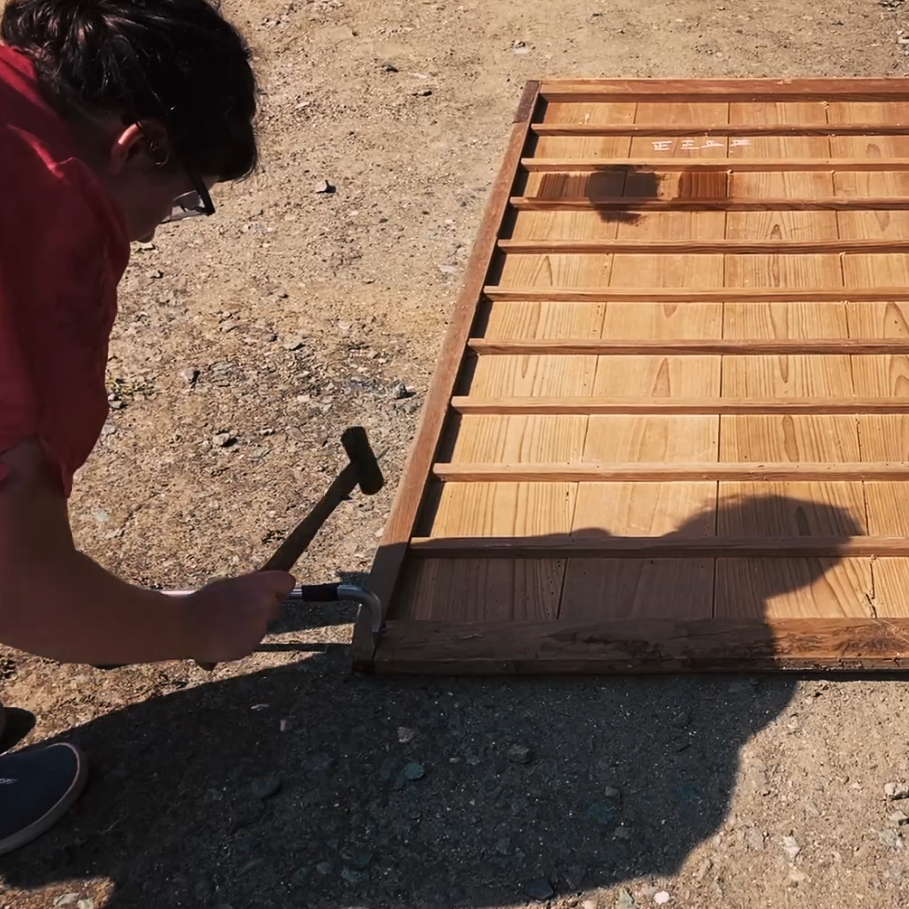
[[63, 250]]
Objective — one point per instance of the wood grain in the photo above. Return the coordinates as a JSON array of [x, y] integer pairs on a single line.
[[745, 347], [635, 204], [732, 164], [641, 646], [696, 294]]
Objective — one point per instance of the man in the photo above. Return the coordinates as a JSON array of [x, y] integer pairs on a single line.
[[115, 115]]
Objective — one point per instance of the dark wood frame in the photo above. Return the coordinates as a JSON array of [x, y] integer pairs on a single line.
[[670, 645]]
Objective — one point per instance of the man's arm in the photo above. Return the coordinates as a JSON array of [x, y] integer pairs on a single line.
[[56, 602]]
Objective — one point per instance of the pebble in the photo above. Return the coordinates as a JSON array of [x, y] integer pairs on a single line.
[[323, 186], [520, 754], [613, 794], [155, 274], [791, 847], [389, 68], [324, 868], [797, 877], [356, 858], [900, 818], [223, 440], [301, 875], [625, 900], [189, 375], [287, 724], [891, 838], [623, 833], [354, 877], [66, 900], [423, 93], [589, 904], [293, 343], [895, 791], [601, 814], [414, 772], [754, 839], [520, 47], [85, 904], [398, 391], [661, 898], [682, 720], [539, 889], [265, 787], [406, 734]]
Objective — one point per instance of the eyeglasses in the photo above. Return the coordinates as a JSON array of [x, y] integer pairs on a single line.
[[193, 204]]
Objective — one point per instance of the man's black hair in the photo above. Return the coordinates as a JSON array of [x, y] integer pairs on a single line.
[[177, 62]]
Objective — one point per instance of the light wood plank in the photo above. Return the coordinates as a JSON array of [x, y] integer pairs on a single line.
[[798, 587], [732, 164], [619, 588], [506, 346], [885, 373], [632, 206]]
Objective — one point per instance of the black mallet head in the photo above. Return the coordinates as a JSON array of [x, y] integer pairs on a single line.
[[363, 459]]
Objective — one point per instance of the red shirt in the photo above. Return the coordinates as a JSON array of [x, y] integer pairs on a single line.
[[63, 251]]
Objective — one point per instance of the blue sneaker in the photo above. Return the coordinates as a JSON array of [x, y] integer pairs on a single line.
[[37, 788]]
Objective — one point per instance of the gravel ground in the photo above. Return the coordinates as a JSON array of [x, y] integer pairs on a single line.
[[244, 348]]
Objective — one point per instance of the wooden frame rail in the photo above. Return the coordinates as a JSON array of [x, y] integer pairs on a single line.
[[498, 293], [634, 205], [687, 347]]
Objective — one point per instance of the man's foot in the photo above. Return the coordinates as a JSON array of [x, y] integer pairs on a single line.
[[37, 787]]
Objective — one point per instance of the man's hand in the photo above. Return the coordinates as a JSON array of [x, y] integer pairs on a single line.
[[230, 617], [58, 603]]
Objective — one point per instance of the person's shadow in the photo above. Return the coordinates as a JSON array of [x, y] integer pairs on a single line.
[[423, 792]]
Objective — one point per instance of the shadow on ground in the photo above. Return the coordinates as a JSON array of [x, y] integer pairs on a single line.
[[414, 792]]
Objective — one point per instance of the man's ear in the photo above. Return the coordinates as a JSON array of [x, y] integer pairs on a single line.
[[143, 145]]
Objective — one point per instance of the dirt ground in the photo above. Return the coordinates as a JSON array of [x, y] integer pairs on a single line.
[[245, 346]]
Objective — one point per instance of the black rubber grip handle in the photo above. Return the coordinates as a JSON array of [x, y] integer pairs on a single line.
[[319, 593]]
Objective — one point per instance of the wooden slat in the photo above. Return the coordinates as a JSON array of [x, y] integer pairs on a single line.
[[740, 165], [693, 247], [720, 129], [667, 645], [705, 295], [745, 347], [600, 405], [664, 90], [392, 551], [641, 204], [662, 472], [606, 547]]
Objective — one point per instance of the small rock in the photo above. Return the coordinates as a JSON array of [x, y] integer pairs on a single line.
[[504, 846], [323, 186], [116, 404], [251, 864], [189, 375], [66, 900], [589, 904], [301, 875], [155, 274], [539, 889], [293, 343], [890, 837], [602, 814], [85, 904], [613, 794], [791, 847], [623, 833], [398, 391], [754, 839], [265, 787], [422, 93], [899, 818], [324, 868], [661, 898], [449, 269], [287, 724], [389, 68], [796, 877], [625, 900], [223, 440], [414, 772], [895, 791], [682, 720], [344, 326], [353, 877], [519, 754], [406, 734]]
